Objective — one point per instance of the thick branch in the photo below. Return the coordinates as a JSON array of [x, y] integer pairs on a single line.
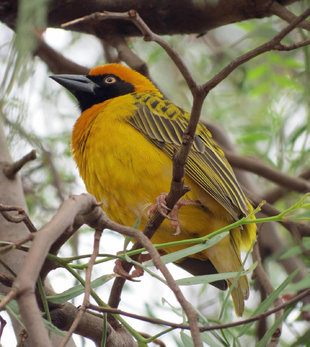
[[77, 210], [11, 169], [56, 62], [266, 171], [90, 326], [278, 193], [165, 18]]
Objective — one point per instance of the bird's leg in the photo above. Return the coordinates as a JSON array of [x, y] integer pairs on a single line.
[[161, 207], [119, 269], [137, 272]]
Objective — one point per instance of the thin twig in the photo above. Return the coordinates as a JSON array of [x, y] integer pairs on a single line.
[[290, 302], [21, 216], [199, 94], [57, 182], [285, 14], [11, 169], [126, 54], [264, 281], [78, 210], [267, 46], [286, 48], [148, 34], [6, 280], [10, 296], [143, 240], [16, 245], [277, 193], [85, 303], [270, 210]]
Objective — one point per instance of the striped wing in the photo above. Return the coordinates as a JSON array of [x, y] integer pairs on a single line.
[[163, 124]]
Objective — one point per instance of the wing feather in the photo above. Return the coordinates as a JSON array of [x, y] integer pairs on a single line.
[[163, 124]]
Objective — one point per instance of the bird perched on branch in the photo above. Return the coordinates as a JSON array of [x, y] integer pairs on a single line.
[[123, 144]]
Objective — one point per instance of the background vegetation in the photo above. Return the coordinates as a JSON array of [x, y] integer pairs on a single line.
[[261, 110]]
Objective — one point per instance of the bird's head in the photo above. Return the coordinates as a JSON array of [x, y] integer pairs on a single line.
[[105, 82]]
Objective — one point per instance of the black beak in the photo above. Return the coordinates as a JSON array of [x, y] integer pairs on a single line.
[[76, 84]]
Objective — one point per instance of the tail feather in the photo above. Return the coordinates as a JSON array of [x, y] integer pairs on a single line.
[[225, 256], [239, 293]]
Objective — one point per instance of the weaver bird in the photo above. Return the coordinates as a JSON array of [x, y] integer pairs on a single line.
[[123, 144]]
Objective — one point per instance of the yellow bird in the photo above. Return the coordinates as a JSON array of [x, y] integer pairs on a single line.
[[123, 144]]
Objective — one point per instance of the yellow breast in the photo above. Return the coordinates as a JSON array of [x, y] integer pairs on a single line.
[[118, 165]]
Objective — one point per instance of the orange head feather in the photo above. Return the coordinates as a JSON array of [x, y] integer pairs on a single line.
[[140, 83]]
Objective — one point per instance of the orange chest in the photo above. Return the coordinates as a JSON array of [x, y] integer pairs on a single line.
[[119, 166]]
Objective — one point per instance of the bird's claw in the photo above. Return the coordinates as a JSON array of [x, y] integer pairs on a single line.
[[119, 270], [162, 208]]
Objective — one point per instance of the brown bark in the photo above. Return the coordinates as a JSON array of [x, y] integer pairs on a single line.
[[163, 17]]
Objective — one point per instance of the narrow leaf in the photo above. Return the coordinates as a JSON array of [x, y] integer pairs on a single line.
[[302, 340], [175, 256], [77, 290], [269, 300], [187, 340], [214, 277], [13, 310], [273, 328], [51, 327]]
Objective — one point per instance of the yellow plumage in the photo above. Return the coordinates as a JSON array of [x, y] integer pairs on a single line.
[[123, 146]]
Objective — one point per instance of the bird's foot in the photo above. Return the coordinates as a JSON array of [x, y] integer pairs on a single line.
[[161, 207], [119, 269], [138, 271]]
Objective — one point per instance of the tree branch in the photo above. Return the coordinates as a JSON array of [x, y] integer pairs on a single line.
[[11, 169], [256, 166], [85, 303], [277, 193], [285, 14], [56, 62], [288, 303], [77, 210], [264, 282], [20, 217], [267, 46]]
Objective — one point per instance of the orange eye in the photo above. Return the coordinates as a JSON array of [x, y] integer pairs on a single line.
[[110, 80]]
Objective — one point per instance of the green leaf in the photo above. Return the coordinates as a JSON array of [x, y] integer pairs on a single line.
[[12, 308], [302, 284], [78, 289], [31, 14], [137, 223], [187, 340], [268, 301], [173, 257], [211, 278], [253, 138], [126, 242], [205, 337], [273, 328], [296, 250], [302, 340], [51, 327]]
